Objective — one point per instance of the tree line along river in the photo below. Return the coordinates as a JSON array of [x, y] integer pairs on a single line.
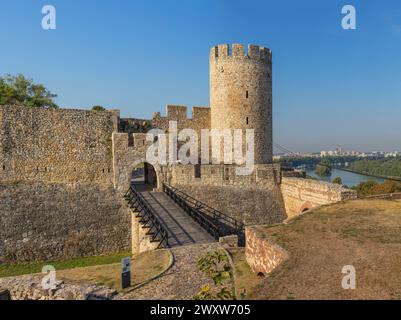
[[348, 178]]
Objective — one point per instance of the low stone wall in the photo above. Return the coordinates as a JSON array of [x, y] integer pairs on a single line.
[[387, 196], [29, 287], [300, 194], [263, 176], [261, 253], [42, 222], [251, 199], [230, 241]]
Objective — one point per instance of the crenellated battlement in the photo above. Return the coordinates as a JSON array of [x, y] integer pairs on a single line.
[[180, 113], [237, 52]]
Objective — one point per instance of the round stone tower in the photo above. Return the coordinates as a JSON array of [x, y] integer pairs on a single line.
[[241, 94]]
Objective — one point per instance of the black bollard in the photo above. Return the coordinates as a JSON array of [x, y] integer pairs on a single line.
[[4, 294], [126, 273]]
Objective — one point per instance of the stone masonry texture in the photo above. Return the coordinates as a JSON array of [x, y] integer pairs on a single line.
[[64, 146], [56, 185], [261, 253], [300, 194], [47, 221], [241, 93], [251, 199], [29, 287]]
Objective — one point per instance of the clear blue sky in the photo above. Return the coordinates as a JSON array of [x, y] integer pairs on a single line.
[[331, 86]]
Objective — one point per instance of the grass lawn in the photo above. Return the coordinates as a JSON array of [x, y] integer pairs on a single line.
[[363, 233], [29, 268], [143, 267], [100, 270], [246, 280]]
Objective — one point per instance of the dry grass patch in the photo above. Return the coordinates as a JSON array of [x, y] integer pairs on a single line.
[[362, 233], [143, 267], [247, 283], [10, 270]]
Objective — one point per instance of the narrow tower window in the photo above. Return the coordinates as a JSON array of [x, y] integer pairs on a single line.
[[247, 94], [197, 169], [247, 120]]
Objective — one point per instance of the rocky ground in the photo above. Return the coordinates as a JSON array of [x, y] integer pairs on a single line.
[[182, 281], [29, 287]]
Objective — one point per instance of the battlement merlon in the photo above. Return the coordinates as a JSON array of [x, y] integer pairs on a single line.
[[237, 52], [176, 111], [200, 114], [179, 112]]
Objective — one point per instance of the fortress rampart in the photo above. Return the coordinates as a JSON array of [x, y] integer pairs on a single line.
[[58, 146], [251, 199], [200, 120], [63, 172], [57, 197]]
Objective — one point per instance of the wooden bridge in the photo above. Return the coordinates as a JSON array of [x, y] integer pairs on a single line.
[[176, 219]]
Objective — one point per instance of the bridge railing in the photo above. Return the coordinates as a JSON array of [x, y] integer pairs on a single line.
[[222, 224], [147, 217]]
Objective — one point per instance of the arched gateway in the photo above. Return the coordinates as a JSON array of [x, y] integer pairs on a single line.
[[145, 174], [131, 159]]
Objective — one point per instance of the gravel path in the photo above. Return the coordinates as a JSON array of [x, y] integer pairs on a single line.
[[182, 281]]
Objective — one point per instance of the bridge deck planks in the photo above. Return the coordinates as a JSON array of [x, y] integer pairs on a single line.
[[181, 228]]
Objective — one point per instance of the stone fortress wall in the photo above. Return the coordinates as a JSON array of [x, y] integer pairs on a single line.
[[240, 98], [61, 146], [63, 172], [251, 199], [57, 197], [48, 221]]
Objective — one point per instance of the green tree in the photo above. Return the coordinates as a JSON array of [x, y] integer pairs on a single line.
[[98, 108], [366, 188], [20, 90], [323, 168], [338, 180], [389, 167]]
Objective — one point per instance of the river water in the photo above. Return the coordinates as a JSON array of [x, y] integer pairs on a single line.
[[349, 179]]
